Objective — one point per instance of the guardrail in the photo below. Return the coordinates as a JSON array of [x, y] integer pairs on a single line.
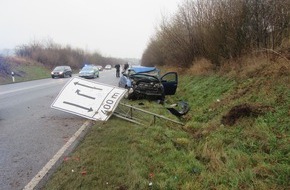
[[129, 115]]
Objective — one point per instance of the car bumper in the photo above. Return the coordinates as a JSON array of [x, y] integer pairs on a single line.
[[145, 94], [57, 75], [87, 75]]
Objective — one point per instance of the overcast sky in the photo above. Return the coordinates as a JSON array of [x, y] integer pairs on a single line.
[[116, 28]]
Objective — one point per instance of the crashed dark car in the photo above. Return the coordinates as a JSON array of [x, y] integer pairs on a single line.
[[146, 83]]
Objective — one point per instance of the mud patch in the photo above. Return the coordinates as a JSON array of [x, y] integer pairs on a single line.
[[244, 110]]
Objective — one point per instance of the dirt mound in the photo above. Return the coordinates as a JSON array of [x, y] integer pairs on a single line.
[[244, 110]]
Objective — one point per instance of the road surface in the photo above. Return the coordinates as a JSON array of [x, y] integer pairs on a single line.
[[30, 131]]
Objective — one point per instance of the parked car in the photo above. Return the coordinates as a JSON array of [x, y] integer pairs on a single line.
[[100, 67], [61, 71], [89, 72], [146, 82], [108, 67]]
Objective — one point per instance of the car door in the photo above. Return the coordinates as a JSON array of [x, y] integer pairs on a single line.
[[170, 81], [67, 71], [96, 71], [124, 81]]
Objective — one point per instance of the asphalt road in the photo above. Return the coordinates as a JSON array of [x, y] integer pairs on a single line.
[[30, 131]]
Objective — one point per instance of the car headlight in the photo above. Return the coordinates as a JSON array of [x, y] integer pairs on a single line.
[[130, 90], [157, 85]]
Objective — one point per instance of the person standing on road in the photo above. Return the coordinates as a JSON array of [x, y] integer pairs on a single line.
[[117, 70], [125, 68]]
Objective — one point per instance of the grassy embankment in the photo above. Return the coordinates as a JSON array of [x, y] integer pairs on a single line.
[[25, 70], [236, 136]]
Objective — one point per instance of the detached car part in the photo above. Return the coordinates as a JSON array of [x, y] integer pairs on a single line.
[[183, 108]]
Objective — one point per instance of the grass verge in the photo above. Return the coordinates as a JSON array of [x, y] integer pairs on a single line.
[[25, 70], [252, 153]]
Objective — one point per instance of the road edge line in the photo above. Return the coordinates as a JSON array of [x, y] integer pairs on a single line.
[[35, 181]]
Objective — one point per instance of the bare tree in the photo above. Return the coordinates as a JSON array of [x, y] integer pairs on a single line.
[[219, 30]]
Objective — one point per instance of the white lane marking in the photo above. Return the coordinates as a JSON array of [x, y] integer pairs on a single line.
[[38, 177], [27, 88]]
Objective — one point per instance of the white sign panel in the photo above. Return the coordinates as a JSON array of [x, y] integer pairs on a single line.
[[88, 99]]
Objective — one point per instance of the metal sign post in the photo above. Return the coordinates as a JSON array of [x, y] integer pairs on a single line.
[[128, 115], [12, 74]]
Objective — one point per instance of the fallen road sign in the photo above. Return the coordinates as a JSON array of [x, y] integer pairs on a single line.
[[89, 99]]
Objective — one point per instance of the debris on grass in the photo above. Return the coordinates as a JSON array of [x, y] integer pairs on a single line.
[[182, 108], [244, 110]]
